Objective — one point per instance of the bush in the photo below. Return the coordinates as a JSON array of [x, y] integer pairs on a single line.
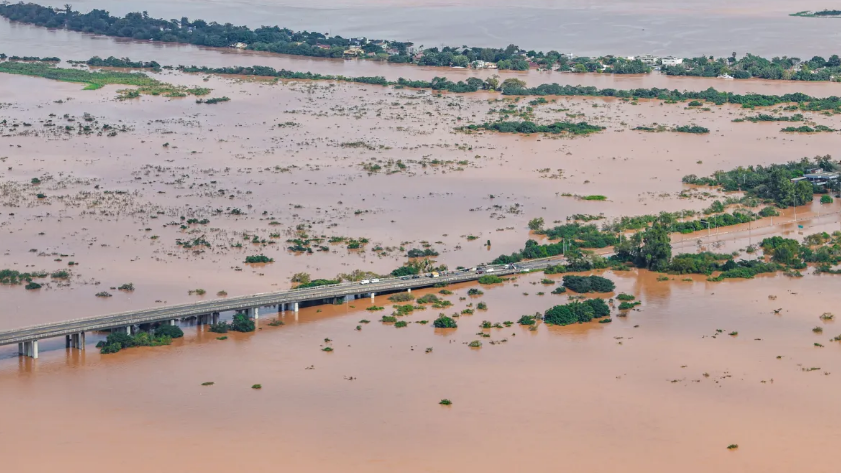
[[219, 327], [474, 292], [826, 199], [583, 284], [628, 305], [444, 322], [258, 259], [32, 286], [475, 344], [527, 320], [559, 290], [625, 297], [428, 299], [389, 319], [402, 297], [577, 312], [560, 315], [599, 306], [490, 279], [400, 324], [242, 323], [172, 331], [482, 306]]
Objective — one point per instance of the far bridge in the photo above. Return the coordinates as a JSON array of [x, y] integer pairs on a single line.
[[206, 312]]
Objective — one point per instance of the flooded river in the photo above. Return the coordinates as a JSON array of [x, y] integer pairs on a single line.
[[665, 388], [687, 28]]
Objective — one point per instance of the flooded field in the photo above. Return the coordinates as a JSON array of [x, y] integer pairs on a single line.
[[172, 195], [323, 160]]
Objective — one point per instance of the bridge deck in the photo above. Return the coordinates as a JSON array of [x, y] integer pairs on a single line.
[[161, 314]]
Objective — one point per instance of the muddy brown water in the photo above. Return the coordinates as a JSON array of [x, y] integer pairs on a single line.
[[296, 150], [623, 27], [659, 389]]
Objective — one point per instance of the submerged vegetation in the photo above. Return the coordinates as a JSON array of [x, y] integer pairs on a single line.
[[527, 127], [93, 80]]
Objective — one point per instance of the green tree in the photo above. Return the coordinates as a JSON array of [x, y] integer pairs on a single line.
[[536, 223], [656, 251], [513, 83]]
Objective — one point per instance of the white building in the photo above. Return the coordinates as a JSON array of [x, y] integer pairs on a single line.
[[672, 61]]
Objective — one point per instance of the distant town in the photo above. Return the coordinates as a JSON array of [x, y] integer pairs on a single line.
[[274, 39]]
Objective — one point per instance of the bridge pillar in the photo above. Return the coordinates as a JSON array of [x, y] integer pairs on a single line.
[[68, 341], [80, 344], [20, 349], [295, 306], [409, 290], [256, 313], [372, 297], [172, 322], [30, 349], [215, 318]]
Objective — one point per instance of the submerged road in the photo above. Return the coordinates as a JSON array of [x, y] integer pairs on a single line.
[[29, 335]]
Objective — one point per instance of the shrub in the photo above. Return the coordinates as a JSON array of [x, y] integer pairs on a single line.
[[560, 315], [241, 323], [256, 386], [625, 297], [444, 322], [527, 320], [445, 402], [490, 279], [599, 306], [258, 259], [219, 327], [126, 287], [475, 344], [826, 199], [171, 331], [389, 319], [547, 281], [628, 305], [402, 297], [60, 275], [375, 308], [582, 284], [559, 290], [474, 292], [482, 306], [577, 312], [428, 299], [32, 286], [400, 324]]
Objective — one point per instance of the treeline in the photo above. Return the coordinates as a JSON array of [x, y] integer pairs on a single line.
[[712, 95], [771, 182], [4, 57], [112, 61], [750, 66], [526, 127]]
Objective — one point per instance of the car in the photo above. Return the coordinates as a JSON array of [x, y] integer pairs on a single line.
[[480, 272], [374, 281], [405, 278], [365, 281], [525, 270], [416, 276], [490, 270]]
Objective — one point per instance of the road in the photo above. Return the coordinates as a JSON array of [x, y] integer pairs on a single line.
[[181, 311]]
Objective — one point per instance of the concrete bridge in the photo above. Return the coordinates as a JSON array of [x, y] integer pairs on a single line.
[[209, 311]]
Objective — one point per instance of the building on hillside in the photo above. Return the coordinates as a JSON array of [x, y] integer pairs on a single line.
[[672, 61]]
